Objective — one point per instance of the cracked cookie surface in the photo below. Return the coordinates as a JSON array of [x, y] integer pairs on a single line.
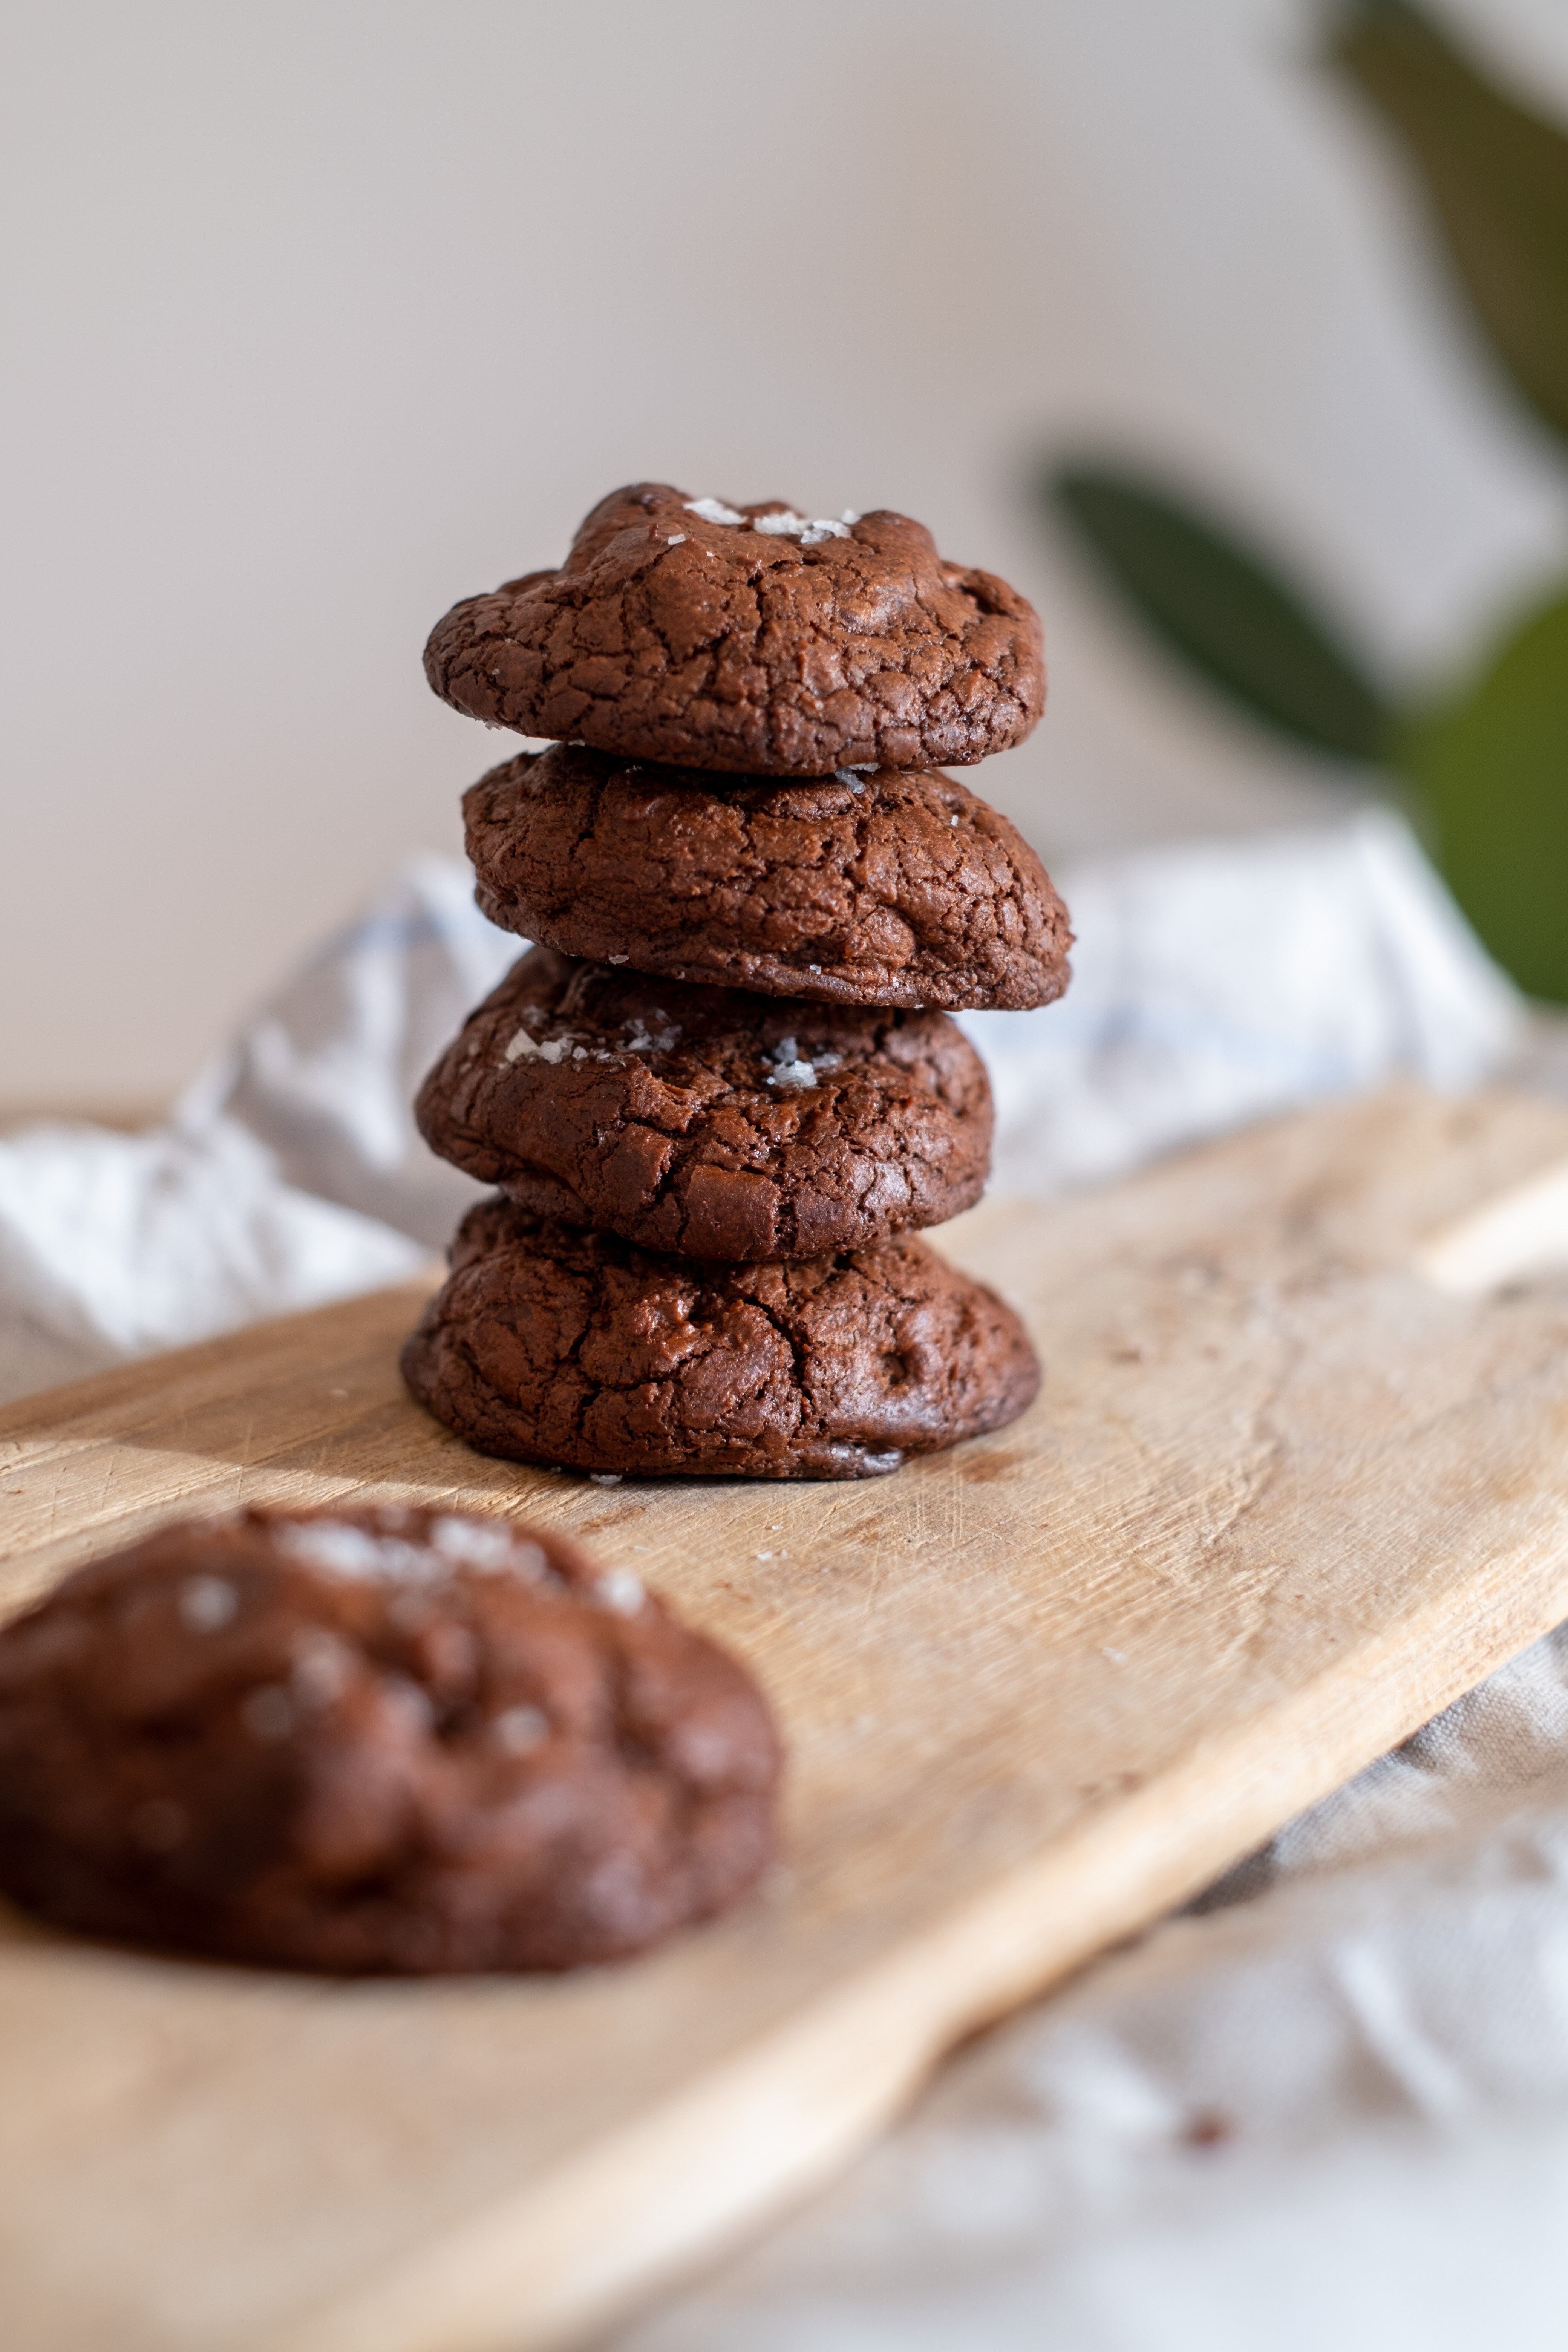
[[375, 1740], [897, 887], [758, 645], [707, 1121], [575, 1350]]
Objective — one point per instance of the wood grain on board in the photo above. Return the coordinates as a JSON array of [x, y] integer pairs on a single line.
[[1278, 1502]]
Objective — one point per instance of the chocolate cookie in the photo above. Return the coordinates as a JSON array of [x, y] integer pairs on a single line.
[[707, 1121], [887, 888], [375, 1740], [559, 1347], [750, 640]]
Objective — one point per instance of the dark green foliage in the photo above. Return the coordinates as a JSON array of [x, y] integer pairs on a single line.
[[1492, 764], [1493, 767], [1225, 607], [1496, 175]]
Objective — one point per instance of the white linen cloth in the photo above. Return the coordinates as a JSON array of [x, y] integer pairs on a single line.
[[290, 1173], [1326, 2107], [1224, 981], [1329, 2104]]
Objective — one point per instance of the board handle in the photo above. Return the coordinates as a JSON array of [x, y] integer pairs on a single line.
[[1518, 1236]]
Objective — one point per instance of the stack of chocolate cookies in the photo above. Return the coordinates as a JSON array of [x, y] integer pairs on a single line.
[[723, 1090]]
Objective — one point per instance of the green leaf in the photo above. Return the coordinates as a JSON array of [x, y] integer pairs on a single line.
[[1223, 607], [1496, 174], [1493, 766]]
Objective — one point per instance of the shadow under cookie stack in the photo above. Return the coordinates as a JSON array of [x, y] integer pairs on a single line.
[[721, 1091]]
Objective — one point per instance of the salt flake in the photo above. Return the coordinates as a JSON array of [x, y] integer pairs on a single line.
[[714, 511], [206, 1604], [810, 531], [322, 1668], [473, 1543], [342, 1550], [793, 525], [794, 1071], [518, 1729]]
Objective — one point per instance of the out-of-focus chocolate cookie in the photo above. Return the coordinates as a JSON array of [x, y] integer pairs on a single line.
[[375, 1740], [751, 640], [887, 888], [706, 1120], [558, 1347]]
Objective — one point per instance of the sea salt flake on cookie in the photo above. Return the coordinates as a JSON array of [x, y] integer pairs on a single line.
[[715, 510], [701, 1119], [357, 1786], [520, 1730], [704, 663], [479, 1543], [207, 1603], [342, 1549]]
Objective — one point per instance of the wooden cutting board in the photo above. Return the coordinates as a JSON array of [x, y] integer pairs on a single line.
[[1278, 1502]]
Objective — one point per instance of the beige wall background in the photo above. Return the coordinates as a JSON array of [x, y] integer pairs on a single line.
[[322, 314]]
